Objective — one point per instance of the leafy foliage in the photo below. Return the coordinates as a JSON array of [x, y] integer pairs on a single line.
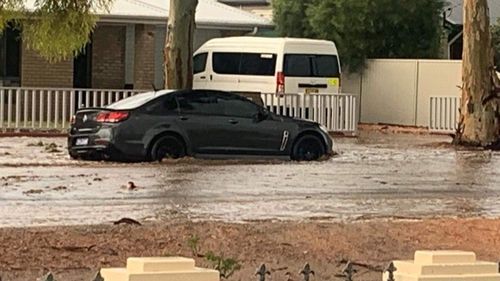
[[495, 40], [291, 17], [366, 28], [226, 266], [56, 29], [193, 244]]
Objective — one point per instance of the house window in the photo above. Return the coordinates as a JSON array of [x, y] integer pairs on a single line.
[[10, 57]]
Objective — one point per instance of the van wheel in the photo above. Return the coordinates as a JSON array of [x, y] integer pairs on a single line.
[[308, 148], [169, 147]]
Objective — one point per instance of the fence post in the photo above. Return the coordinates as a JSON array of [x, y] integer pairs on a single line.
[[33, 108], [25, 110], [391, 269], [348, 271], [49, 108], [18, 108], [56, 105], [41, 113], [9, 107], [64, 118], [307, 272], [72, 97], [262, 272]]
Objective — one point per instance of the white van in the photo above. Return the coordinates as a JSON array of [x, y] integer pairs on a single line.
[[259, 65]]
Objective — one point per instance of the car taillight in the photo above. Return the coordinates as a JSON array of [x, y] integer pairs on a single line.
[[112, 117], [280, 84]]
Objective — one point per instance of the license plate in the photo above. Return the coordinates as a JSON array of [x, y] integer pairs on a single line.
[[312, 91], [82, 141]]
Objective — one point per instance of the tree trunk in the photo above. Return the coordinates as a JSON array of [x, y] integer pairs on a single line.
[[179, 45], [479, 119]]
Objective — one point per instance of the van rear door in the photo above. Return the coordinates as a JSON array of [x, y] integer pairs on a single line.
[[311, 73]]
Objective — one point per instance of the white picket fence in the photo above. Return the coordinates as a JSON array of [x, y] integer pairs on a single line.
[[49, 108], [444, 114], [337, 112]]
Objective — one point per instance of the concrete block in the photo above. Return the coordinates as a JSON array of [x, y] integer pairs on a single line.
[[170, 264], [201, 275], [409, 277], [439, 257], [160, 269], [444, 266], [410, 267]]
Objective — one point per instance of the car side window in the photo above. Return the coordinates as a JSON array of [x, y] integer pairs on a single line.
[[199, 63], [199, 103], [238, 106], [163, 106]]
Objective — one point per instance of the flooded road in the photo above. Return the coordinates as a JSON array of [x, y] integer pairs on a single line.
[[375, 175]]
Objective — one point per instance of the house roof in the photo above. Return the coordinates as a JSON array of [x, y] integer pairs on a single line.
[[455, 12], [209, 13]]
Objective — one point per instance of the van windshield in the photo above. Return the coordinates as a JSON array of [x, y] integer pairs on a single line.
[[308, 65]]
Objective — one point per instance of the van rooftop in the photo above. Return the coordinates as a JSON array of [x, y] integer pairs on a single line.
[[252, 40]]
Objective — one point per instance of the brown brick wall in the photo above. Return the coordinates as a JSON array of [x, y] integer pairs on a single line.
[[144, 64], [38, 72], [108, 57]]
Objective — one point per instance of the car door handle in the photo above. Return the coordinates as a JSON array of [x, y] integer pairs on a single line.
[[183, 118], [232, 121], [203, 77]]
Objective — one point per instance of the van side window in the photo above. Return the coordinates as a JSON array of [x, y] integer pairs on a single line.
[[226, 63], [258, 64], [199, 63], [245, 63], [309, 65]]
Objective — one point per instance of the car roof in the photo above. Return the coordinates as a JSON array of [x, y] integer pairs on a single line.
[[141, 99]]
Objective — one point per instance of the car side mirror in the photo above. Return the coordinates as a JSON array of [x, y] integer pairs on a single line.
[[262, 115]]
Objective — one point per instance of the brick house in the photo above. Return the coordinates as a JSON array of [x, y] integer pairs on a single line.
[[126, 48]]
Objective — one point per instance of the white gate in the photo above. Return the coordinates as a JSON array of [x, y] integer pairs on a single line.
[[444, 114]]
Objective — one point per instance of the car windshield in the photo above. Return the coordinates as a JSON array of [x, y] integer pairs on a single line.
[[137, 100]]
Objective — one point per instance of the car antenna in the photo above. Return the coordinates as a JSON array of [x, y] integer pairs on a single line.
[[154, 88]]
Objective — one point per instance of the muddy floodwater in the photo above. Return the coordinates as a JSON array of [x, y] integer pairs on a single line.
[[375, 175]]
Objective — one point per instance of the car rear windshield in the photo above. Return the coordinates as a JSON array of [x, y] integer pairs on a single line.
[[137, 100], [258, 64], [308, 65]]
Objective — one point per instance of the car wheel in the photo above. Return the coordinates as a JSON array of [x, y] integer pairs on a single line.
[[74, 156], [168, 147], [308, 148]]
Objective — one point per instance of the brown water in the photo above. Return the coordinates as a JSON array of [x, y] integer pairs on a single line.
[[376, 175]]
